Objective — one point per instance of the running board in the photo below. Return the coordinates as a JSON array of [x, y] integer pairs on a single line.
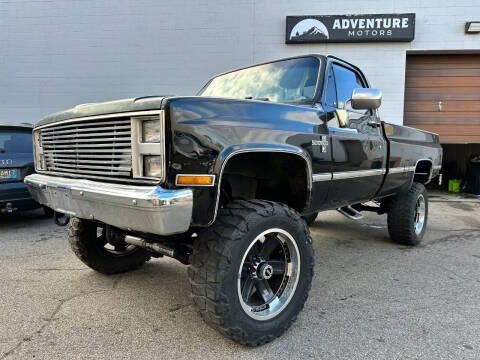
[[350, 213]]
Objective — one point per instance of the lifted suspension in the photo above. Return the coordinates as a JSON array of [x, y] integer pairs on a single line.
[[178, 253], [176, 249]]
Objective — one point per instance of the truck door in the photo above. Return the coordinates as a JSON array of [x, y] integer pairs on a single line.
[[358, 147]]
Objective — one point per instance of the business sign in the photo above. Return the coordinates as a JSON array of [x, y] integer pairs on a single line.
[[350, 28]]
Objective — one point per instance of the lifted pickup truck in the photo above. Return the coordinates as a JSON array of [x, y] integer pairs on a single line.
[[227, 181]]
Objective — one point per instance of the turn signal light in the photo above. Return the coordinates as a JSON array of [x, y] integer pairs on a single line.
[[198, 180]]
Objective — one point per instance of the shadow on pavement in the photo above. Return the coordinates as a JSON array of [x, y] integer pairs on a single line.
[[19, 217]]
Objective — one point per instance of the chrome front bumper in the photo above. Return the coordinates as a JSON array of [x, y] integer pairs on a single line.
[[149, 209]]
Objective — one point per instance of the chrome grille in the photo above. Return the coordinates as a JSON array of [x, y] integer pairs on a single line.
[[89, 149]]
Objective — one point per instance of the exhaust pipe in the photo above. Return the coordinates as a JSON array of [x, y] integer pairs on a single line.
[[157, 248]]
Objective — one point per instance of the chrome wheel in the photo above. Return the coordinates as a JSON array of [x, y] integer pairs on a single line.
[[268, 274], [419, 214]]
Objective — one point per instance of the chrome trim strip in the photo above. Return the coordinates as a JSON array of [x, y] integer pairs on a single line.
[[342, 130], [396, 170], [209, 175], [299, 153], [149, 209], [106, 116], [355, 174], [437, 167], [322, 177]]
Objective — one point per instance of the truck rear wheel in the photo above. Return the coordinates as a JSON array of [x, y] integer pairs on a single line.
[[88, 241], [407, 215], [251, 271]]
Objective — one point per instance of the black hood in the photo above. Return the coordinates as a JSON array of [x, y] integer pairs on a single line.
[[103, 108]]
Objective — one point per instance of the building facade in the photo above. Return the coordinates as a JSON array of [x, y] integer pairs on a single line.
[[56, 54]]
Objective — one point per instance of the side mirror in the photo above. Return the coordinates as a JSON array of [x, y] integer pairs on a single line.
[[366, 98]]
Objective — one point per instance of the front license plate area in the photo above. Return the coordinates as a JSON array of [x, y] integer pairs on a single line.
[[9, 174]]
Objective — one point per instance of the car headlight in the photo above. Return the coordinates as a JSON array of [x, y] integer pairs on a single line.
[[152, 166], [151, 131]]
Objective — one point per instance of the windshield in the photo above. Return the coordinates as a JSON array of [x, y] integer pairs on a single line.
[[14, 142], [287, 81]]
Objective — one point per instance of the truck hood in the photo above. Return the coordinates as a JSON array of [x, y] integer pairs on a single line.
[[109, 107]]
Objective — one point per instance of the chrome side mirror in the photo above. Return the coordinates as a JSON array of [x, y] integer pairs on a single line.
[[366, 98]]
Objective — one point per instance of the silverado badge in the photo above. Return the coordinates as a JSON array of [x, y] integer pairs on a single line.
[[323, 143]]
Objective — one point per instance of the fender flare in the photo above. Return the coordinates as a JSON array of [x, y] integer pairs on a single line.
[[231, 151], [430, 174]]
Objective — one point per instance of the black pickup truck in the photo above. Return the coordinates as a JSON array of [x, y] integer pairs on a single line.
[[227, 181]]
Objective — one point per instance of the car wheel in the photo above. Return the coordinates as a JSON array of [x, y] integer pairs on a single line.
[[309, 219], [48, 212], [407, 215], [88, 241], [251, 271]]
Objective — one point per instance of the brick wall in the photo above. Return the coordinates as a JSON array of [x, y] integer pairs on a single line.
[[56, 54]]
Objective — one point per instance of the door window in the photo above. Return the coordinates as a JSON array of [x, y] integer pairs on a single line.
[[331, 91], [346, 81]]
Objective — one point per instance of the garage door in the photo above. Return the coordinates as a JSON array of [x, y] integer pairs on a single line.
[[442, 95]]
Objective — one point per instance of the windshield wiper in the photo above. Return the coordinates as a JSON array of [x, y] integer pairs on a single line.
[[260, 99]]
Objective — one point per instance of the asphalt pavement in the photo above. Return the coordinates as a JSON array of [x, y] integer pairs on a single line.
[[370, 299]]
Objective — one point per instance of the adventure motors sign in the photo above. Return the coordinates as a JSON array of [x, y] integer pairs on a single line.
[[350, 28]]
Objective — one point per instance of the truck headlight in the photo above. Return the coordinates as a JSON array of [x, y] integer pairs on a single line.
[[148, 145], [151, 131], [152, 166]]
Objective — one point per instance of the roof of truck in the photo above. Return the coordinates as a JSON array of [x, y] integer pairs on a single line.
[[282, 59]]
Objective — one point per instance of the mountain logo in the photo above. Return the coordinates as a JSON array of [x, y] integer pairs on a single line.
[[309, 30]]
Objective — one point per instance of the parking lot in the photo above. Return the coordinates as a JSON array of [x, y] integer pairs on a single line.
[[370, 298]]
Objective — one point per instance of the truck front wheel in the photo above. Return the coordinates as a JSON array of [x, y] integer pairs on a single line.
[[407, 215], [88, 241], [251, 271]]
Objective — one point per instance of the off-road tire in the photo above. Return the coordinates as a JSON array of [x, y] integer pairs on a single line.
[[82, 235], [401, 215], [217, 255], [309, 219]]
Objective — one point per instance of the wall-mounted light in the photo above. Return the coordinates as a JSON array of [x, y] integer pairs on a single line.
[[472, 27]]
